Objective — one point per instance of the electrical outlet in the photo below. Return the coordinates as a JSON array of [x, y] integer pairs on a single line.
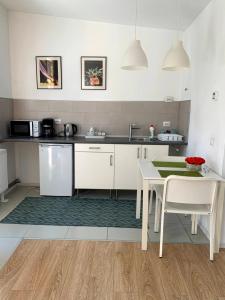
[[58, 121], [215, 96], [169, 99], [166, 124]]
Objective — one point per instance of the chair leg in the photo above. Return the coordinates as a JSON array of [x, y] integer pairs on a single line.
[[138, 205], [161, 233], [193, 224], [150, 201], [159, 213], [212, 234], [156, 215], [196, 224]]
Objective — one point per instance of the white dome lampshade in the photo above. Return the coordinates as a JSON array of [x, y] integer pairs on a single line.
[[135, 57], [177, 58]]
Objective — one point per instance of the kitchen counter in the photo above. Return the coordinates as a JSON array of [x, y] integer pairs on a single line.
[[79, 139]]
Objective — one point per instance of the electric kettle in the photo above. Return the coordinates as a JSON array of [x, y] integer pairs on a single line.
[[70, 129]]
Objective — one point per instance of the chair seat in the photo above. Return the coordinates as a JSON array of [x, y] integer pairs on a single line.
[[180, 208]]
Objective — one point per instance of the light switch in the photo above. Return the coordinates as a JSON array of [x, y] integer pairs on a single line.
[[212, 141], [58, 121], [169, 99]]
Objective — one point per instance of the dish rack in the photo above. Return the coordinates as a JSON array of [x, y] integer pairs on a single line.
[[170, 137]]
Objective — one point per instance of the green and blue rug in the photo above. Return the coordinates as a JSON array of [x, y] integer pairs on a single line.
[[72, 211]]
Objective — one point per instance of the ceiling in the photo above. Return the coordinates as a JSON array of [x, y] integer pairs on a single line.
[[151, 13]]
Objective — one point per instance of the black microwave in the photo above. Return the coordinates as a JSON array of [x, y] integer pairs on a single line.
[[25, 128]]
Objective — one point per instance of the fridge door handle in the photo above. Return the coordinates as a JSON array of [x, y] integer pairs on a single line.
[[55, 145]]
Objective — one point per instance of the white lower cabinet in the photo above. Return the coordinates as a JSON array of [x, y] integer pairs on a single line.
[[99, 166], [126, 158], [151, 152], [94, 169]]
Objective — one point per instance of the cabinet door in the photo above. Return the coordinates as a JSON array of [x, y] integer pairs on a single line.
[[94, 170], [126, 158], [151, 152]]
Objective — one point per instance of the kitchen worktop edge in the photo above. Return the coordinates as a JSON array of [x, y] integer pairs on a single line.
[[79, 139]]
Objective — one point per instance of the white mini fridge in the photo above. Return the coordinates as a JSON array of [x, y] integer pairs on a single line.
[[56, 169]]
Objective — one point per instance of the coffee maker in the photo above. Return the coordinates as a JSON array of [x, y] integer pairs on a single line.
[[48, 129]]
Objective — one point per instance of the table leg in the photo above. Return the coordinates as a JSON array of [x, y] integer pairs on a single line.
[[150, 201], [144, 241], [219, 217], [138, 200]]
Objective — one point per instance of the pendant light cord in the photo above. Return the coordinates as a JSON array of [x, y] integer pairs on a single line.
[[135, 27], [178, 18]]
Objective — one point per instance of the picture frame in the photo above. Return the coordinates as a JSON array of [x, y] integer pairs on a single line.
[[49, 72], [93, 72]]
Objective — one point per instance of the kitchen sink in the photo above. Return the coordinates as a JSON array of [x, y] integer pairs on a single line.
[[142, 139], [139, 139]]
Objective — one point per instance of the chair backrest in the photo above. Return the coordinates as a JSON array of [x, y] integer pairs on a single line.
[[190, 190]]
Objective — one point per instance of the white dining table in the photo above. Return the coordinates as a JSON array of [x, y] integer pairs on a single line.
[[148, 176]]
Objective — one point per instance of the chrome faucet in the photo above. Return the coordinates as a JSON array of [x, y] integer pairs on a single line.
[[132, 126]]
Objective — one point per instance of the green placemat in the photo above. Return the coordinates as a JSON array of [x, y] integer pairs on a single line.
[[166, 173], [169, 164]]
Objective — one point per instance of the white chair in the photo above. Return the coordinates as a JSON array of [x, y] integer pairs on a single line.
[[155, 188], [158, 189], [189, 195]]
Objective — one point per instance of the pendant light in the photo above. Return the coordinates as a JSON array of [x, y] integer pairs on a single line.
[[176, 58], [135, 57]]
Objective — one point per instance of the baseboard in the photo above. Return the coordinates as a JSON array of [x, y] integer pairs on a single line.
[[28, 184], [12, 186], [14, 182]]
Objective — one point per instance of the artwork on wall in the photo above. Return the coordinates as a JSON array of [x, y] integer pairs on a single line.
[[49, 72], [93, 72]]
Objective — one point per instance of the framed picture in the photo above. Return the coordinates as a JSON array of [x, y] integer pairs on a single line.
[[93, 72], [49, 72]]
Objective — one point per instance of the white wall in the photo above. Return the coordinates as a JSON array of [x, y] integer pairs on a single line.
[[206, 44], [5, 84], [5, 88], [32, 35]]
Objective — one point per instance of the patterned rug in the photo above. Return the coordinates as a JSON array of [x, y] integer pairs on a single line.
[[72, 211]]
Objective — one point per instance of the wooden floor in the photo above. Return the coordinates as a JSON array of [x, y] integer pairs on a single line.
[[111, 270]]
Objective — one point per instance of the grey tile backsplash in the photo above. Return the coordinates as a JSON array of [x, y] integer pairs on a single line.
[[110, 116]]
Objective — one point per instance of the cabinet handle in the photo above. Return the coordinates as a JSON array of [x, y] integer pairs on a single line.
[[138, 152], [111, 160], [94, 148], [145, 153]]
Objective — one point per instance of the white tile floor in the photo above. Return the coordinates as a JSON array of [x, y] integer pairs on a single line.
[[177, 228], [124, 234], [86, 233], [46, 232]]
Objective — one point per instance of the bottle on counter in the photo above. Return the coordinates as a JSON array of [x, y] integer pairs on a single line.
[[152, 131]]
